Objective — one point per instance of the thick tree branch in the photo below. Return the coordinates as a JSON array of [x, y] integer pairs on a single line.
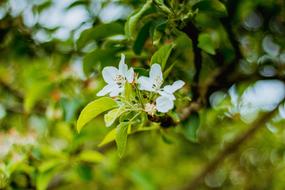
[[231, 148], [192, 31]]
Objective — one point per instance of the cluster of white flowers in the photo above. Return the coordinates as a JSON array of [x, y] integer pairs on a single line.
[[117, 78]]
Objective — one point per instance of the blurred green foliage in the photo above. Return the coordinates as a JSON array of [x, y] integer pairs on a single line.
[[230, 53]]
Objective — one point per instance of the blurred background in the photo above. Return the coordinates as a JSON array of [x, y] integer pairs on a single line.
[[51, 55]]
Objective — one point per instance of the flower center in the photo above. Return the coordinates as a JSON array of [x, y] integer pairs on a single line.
[[120, 79], [157, 83], [150, 108]]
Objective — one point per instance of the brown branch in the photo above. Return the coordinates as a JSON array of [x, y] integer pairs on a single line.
[[230, 148], [8, 88]]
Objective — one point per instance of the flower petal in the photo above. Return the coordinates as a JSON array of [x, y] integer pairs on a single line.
[[130, 75], [107, 89], [116, 91], [164, 104], [123, 67], [155, 72], [174, 87], [109, 74], [166, 94], [145, 83]]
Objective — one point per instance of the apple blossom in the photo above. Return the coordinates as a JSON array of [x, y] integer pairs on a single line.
[[116, 78]]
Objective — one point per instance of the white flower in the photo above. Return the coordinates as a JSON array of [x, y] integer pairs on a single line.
[[153, 83], [165, 101], [116, 78]]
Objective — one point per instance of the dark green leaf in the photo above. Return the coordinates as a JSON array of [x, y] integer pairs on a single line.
[[141, 71], [131, 23], [142, 36], [99, 32], [84, 172], [213, 7]]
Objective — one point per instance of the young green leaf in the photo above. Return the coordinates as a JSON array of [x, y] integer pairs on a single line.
[[131, 23], [190, 127], [93, 109], [206, 43], [111, 135], [91, 156], [121, 137], [112, 115], [161, 55]]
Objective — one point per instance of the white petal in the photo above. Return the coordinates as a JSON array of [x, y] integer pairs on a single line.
[[107, 89], [164, 104], [166, 94], [175, 86], [145, 83], [123, 68], [130, 75], [116, 91], [155, 72], [109, 74]]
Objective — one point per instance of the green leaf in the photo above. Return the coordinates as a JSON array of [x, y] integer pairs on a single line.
[[158, 30], [99, 32], [84, 171], [213, 7], [206, 43], [190, 127], [161, 55], [168, 70], [142, 36], [34, 93], [50, 165], [43, 179], [141, 71], [93, 109], [111, 135], [47, 171], [98, 56], [91, 156], [112, 115], [121, 137], [131, 23]]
